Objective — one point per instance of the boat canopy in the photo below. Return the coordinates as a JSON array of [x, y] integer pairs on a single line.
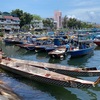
[[43, 38]]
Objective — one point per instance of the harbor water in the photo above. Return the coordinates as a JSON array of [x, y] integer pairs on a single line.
[[32, 90]]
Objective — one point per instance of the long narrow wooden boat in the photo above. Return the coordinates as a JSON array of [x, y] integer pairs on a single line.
[[45, 76], [58, 52], [66, 70]]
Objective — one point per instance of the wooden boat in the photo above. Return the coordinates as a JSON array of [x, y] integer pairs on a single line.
[[50, 48], [45, 76], [58, 52], [43, 47], [40, 48], [27, 46], [66, 70], [12, 41]]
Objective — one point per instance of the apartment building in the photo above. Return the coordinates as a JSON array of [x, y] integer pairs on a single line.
[[58, 18], [37, 24], [9, 23]]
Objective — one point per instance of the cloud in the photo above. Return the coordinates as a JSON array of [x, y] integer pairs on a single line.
[[71, 16], [87, 10], [90, 14]]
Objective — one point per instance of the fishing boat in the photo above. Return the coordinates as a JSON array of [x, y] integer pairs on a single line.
[[43, 42], [58, 52], [66, 70], [40, 48], [50, 48], [45, 76], [28, 46], [12, 41], [97, 40], [43, 47], [83, 48]]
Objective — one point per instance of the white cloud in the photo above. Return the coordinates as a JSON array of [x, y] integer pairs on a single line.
[[91, 14], [71, 16], [87, 10]]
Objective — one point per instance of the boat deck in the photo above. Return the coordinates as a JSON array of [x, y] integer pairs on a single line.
[[41, 72]]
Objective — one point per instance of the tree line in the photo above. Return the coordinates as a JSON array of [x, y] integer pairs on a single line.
[[75, 23], [26, 18]]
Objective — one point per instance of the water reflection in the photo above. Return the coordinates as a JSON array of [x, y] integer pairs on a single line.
[[81, 61], [97, 48], [28, 53], [12, 51], [31, 90], [84, 94], [54, 92], [53, 60], [44, 91], [42, 55]]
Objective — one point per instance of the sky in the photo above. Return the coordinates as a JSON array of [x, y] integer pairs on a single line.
[[84, 10]]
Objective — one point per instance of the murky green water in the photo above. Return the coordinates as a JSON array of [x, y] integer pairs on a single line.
[[31, 90]]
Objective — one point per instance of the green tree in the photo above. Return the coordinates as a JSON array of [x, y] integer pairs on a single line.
[[77, 24], [64, 22], [6, 13], [36, 17], [87, 25], [17, 12], [48, 23], [72, 23], [25, 27], [25, 18]]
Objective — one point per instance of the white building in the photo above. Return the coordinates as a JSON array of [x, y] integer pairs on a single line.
[[9, 23], [37, 24]]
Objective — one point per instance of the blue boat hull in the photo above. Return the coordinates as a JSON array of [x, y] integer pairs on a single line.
[[30, 48], [49, 49], [12, 42], [81, 52]]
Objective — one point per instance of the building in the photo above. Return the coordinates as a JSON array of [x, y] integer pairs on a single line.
[[58, 19], [9, 23], [37, 24], [49, 24]]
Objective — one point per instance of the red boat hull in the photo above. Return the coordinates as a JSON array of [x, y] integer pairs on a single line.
[[97, 43]]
